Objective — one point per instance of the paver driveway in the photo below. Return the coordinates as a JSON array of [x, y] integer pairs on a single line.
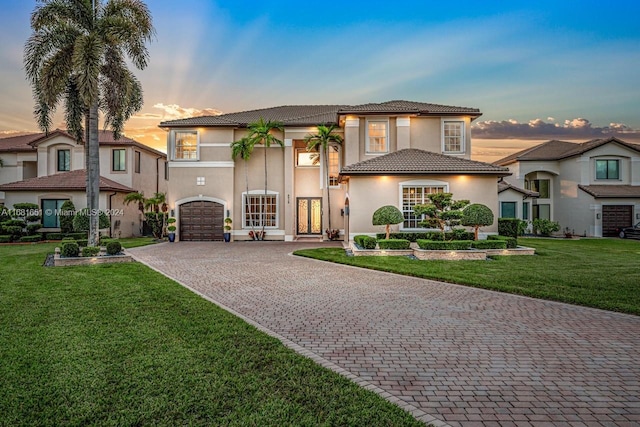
[[466, 356]]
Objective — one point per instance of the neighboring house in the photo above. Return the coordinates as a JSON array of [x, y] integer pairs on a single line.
[[516, 202], [591, 188], [394, 153], [49, 169]]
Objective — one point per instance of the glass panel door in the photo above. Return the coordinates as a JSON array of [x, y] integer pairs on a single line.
[[309, 215]]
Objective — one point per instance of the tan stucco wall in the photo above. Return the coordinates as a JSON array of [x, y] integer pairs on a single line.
[[370, 193]]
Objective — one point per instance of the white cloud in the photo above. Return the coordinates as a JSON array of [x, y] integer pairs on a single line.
[[539, 129], [174, 111]]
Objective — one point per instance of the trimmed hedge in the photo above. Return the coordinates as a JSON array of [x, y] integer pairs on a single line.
[[457, 234], [33, 228], [82, 242], [511, 242], [4, 238], [90, 251], [455, 245], [393, 244], [54, 236], [70, 249], [365, 242], [33, 238], [76, 235], [114, 248], [489, 244], [508, 227], [105, 240]]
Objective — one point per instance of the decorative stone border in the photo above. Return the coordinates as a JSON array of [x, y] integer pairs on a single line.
[[102, 258], [449, 255]]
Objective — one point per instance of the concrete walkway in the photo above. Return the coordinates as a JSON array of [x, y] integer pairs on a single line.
[[451, 353]]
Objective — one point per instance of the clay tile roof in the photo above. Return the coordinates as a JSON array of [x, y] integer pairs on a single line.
[[558, 150], [413, 161], [18, 143], [611, 191], [312, 115], [409, 107], [30, 142], [504, 186], [64, 181]]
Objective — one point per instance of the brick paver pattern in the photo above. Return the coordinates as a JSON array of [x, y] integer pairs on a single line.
[[466, 356]]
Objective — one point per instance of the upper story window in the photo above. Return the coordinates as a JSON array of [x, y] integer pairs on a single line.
[[334, 166], [64, 160], [306, 158], [540, 186], [607, 169], [186, 145], [453, 136], [377, 136], [118, 164], [136, 160]]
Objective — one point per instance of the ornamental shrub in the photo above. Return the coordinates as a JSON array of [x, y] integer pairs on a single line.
[[76, 235], [5, 238], [476, 216], [33, 228], [393, 244], [365, 242], [545, 227], [32, 238], [386, 216], [67, 213], [70, 249], [90, 251], [489, 244], [432, 245], [114, 248], [82, 242], [81, 221], [510, 241], [508, 227]]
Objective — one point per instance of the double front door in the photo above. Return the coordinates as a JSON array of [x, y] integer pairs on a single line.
[[309, 214]]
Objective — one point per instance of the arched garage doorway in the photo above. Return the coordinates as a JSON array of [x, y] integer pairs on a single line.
[[201, 220]]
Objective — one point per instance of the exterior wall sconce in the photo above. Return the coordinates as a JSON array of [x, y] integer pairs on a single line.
[[638, 215], [172, 213], [597, 216]]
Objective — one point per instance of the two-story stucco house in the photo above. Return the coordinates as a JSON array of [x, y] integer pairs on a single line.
[[393, 152], [591, 188], [49, 169]]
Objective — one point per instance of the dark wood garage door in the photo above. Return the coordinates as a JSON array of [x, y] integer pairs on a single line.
[[614, 217], [201, 221]]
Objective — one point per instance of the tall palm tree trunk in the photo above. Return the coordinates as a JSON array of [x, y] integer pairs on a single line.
[[326, 178], [246, 199], [264, 201], [93, 172]]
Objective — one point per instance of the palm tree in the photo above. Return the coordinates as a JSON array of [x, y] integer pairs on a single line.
[[322, 141], [77, 54], [260, 132], [135, 197], [243, 148]]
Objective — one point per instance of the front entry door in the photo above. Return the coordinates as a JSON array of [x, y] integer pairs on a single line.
[[309, 215]]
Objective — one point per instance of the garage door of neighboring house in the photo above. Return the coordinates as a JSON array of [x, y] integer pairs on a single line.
[[613, 217], [201, 221]]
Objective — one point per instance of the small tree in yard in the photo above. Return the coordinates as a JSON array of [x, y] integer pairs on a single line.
[[387, 215], [67, 213], [476, 216], [441, 211]]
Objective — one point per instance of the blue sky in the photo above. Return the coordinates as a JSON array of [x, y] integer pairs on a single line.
[[517, 61]]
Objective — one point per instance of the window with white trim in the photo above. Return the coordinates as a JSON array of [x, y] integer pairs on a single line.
[[260, 210], [453, 136], [118, 163], [306, 158], [200, 180], [334, 165], [416, 195], [185, 145], [607, 169], [377, 136], [64, 160]]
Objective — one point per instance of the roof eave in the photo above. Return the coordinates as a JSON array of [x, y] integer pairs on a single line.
[[398, 173]]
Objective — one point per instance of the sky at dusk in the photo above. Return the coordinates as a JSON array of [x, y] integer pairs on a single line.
[[537, 70]]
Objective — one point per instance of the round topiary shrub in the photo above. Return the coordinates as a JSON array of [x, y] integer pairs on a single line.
[[114, 248], [81, 220], [70, 249], [386, 216], [476, 216]]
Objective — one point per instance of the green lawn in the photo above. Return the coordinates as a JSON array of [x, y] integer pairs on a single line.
[[120, 344], [602, 273]]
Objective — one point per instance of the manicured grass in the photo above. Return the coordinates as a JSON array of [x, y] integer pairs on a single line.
[[119, 344], [601, 273]]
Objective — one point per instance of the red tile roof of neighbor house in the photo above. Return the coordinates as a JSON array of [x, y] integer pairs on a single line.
[[612, 191], [64, 181], [31, 141], [312, 115], [558, 150], [411, 161]]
